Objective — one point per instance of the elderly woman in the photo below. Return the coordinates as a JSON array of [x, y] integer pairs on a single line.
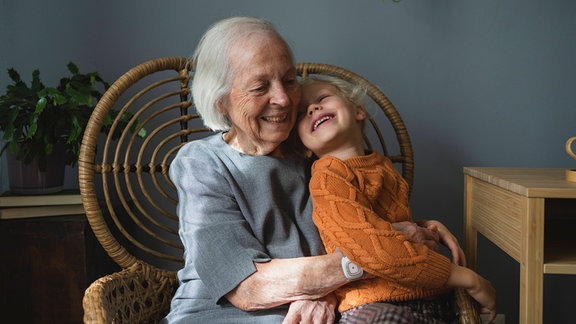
[[252, 252]]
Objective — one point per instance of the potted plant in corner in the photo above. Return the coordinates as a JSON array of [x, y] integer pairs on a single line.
[[43, 126]]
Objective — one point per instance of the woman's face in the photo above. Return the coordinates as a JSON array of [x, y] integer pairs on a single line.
[[262, 104]]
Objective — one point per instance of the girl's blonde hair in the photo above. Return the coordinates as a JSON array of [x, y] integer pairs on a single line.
[[353, 92]]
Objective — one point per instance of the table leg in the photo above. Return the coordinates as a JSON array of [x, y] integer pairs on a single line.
[[532, 265], [470, 233]]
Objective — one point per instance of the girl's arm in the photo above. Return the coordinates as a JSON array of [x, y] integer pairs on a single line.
[[479, 288], [346, 220]]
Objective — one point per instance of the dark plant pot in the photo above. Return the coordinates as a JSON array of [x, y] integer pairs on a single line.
[[27, 179]]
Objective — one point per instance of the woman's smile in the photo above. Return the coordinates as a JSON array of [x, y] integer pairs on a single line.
[[276, 118]]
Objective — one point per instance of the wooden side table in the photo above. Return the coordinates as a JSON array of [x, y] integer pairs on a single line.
[[528, 213], [46, 260]]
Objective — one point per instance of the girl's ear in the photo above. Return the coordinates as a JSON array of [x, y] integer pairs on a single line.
[[360, 113]]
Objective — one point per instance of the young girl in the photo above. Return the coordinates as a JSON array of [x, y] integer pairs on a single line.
[[356, 196]]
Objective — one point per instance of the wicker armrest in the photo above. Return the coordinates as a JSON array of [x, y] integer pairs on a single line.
[[467, 307], [138, 294]]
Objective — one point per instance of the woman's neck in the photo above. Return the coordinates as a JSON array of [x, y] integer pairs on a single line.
[[260, 149]]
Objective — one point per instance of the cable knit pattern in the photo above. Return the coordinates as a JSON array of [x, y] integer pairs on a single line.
[[354, 203]]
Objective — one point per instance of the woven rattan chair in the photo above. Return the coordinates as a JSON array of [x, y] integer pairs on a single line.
[[130, 201]]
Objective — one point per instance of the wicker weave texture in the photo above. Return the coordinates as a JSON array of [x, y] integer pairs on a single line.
[[127, 194], [138, 294]]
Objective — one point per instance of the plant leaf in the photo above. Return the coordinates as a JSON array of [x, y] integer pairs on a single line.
[[14, 75], [72, 68], [41, 104]]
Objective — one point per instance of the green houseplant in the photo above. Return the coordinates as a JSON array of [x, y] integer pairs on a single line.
[[40, 123]]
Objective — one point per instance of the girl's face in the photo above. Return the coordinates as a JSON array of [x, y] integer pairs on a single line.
[[262, 104], [328, 122]]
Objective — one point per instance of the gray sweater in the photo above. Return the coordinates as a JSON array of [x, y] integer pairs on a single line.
[[234, 210]]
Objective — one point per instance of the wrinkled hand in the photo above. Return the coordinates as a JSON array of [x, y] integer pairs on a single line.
[[447, 239], [319, 311], [419, 234]]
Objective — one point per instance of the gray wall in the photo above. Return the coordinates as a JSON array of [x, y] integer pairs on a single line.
[[479, 83]]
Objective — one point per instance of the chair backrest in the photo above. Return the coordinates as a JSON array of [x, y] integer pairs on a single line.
[[128, 197]]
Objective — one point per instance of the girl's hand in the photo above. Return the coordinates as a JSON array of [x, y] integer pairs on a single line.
[[485, 295], [447, 239], [477, 287], [419, 234]]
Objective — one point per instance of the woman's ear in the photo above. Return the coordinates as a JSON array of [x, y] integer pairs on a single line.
[[220, 107]]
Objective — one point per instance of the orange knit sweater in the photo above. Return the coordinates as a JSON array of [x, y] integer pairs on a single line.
[[354, 203]]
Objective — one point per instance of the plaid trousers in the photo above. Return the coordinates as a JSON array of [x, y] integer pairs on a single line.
[[435, 311]]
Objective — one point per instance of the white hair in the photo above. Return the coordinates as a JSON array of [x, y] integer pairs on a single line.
[[212, 75]]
